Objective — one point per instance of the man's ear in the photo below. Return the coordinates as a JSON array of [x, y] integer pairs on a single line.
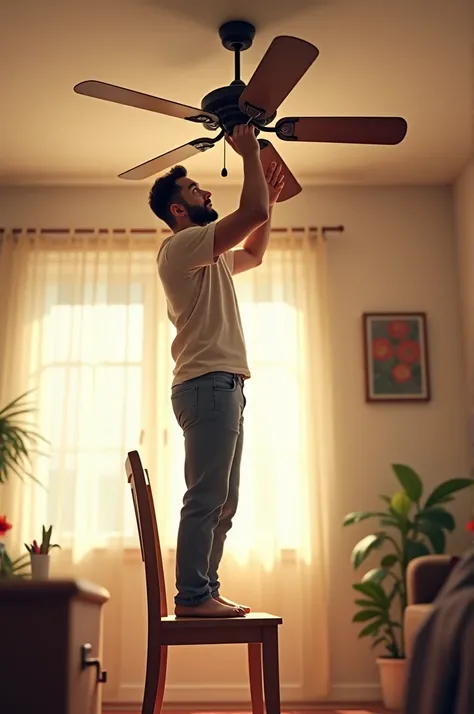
[[177, 210]]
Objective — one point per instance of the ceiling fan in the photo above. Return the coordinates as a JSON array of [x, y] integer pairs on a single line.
[[281, 68]]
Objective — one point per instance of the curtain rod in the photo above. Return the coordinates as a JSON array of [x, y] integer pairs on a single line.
[[147, 231]]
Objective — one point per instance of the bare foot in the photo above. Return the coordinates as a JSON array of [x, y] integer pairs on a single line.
[[209, 608], [231, 603]]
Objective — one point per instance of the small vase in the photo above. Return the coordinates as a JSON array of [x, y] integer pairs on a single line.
[[39, 566]]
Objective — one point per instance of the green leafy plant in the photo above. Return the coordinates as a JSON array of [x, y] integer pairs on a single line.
[[410, 529], [18, 440], [13, 568], [46, 545]]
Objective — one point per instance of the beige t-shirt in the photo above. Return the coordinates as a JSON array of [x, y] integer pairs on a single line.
[[202, 305]]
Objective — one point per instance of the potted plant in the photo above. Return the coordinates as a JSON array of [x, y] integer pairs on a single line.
[[10, 568], [407, 529], [39, 555], [17, 439]]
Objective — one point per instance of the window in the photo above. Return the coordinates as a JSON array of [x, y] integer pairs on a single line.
[[90, 375], [103, 364]]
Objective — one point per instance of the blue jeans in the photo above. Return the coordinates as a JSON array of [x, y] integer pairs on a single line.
[[209, 409]]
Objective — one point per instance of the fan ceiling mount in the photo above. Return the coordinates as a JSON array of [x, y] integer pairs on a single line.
[[281, 68]]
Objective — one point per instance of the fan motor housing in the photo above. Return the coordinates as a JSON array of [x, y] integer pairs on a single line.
[[224, 101], [237, 35]]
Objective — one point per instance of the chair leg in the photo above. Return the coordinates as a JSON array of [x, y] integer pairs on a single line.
[[271, 673], [255, 675], [155, 677], [161, 680]]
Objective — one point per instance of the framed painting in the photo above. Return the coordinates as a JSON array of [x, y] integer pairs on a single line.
[[396, 357]]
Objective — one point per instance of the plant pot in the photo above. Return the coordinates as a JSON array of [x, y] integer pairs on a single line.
[[40, 566], [392, 681]]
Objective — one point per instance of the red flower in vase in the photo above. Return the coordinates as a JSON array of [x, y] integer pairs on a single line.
[[4, 525], [470, 526]]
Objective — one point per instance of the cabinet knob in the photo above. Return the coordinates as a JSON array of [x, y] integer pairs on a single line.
[[88, 661]]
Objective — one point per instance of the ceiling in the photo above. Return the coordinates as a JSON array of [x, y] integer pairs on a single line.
[[410, 58]]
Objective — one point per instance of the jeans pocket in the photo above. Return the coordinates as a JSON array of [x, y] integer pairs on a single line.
[[225, 382], [228, 400], [185, 405]]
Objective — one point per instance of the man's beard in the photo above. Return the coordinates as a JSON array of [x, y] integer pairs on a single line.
[[201, 215]]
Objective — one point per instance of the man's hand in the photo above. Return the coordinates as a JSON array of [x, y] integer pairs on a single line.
[[275, 181], [244, 141]]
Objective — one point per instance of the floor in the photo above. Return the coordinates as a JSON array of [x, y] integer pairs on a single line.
[[342, 709]]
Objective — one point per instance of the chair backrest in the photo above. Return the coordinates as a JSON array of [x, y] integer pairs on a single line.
[[142, 496]]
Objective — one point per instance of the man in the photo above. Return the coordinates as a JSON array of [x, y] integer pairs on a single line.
[[196, 265]]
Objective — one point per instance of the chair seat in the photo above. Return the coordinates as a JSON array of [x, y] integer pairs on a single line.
[[251, 619], [216, 630]]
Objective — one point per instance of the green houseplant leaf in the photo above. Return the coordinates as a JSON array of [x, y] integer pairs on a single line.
[[440, 516], [364, 615], [376, 575], [365, 546], [18, 440], [14, 568], [373, 628], [434, 533], [415, 549], [407, 529], [374, 591], [409, 480], [358, 517], [389, 560], [446, 489], [366, 603]]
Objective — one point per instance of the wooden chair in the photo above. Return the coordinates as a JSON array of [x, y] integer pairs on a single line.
[[259, 631]]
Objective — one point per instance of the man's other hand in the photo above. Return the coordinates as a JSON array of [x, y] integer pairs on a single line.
[[275, 180]]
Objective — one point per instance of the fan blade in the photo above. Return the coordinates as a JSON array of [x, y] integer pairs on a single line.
[[121, 95], [343, 130], [280, 69], [165, 161], [268, 153]]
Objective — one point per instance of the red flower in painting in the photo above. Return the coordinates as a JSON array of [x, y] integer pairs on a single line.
[[398, 329], [470, 526], [408, 351], [382, 349], [4, 525], [401, 373]]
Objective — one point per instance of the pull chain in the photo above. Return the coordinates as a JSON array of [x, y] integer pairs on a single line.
[[224, 171]]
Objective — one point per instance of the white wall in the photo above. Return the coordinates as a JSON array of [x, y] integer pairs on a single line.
[[397, 253]]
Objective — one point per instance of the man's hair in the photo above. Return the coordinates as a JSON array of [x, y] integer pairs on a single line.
[[165, 192]]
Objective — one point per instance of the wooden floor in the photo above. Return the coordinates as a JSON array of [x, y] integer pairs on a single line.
[[336, 709]]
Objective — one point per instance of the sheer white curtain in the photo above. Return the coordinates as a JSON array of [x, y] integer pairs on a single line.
[[85, 325]]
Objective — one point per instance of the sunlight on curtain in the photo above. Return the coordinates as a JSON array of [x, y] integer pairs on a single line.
[[87, 327]]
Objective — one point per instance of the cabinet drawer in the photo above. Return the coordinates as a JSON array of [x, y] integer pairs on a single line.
[[85, 691]]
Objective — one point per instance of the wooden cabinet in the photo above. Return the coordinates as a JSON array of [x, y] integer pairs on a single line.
[[49, 629]]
